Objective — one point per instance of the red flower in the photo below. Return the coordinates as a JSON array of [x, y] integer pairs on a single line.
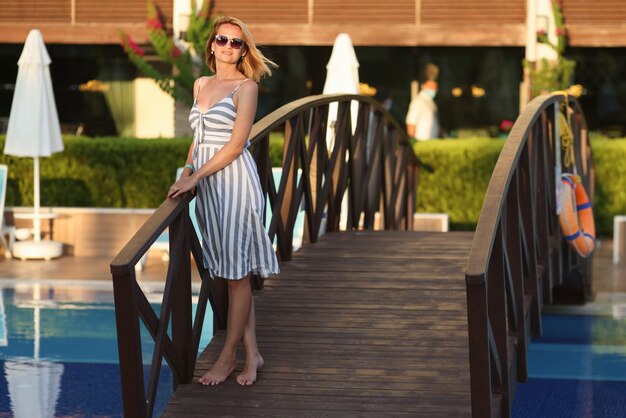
[[175, 52], [506, 125], [129, 44], [560, 31], [154, 24]]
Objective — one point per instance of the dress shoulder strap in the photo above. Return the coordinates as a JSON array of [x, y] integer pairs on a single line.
[[195, 96], [239, 85]]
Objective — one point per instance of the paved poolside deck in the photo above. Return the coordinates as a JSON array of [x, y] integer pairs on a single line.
[[78, 268], [607, 277]]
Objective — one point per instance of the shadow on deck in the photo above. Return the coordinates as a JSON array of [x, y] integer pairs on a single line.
[[361, 323]]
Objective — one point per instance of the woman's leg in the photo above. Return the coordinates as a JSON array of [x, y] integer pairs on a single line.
[[254, 361], [239, 307]]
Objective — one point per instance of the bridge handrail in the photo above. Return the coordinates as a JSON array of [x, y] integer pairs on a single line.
[[518, 255], [373, 163]]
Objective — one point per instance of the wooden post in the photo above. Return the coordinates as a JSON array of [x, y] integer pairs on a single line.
[[478, 339], [498, 317], [182, 336], [129, 343]]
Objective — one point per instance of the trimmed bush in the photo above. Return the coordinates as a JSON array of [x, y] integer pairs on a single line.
[[136, 173], [104, 172], [461, 172], [609, 156], [99, 172]]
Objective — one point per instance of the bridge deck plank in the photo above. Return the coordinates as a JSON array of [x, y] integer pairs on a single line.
[[364, 323]]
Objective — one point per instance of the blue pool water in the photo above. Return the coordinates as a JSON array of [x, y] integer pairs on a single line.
[[58, 350], [576, 369], [58, 357]]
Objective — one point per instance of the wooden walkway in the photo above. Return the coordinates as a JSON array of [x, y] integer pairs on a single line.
[[358, 324]]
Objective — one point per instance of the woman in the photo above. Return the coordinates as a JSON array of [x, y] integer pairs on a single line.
[[229, 200]]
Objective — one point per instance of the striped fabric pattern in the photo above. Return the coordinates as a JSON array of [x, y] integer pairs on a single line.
[[229, 203]]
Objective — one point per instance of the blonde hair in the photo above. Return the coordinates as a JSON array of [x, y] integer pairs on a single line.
[[253, 64]]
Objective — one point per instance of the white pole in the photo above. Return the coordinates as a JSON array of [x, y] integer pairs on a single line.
[[36, 219], [531, 30], [530, 52]]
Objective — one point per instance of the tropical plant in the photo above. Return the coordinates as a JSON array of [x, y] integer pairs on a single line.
[[551, 75], [185, 59]]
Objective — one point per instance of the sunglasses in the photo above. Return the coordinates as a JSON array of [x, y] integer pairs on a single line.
[[235, 43]]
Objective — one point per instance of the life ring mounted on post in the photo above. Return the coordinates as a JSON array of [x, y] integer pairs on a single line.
[[576, 217]]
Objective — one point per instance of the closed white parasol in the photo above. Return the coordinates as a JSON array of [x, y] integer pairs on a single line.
[[342, 76], [34, 131]]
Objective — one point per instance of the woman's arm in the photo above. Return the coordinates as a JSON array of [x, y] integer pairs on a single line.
[[189, 162]]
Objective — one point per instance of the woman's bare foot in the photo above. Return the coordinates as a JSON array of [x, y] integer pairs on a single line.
[[219, 372], [248, 374]]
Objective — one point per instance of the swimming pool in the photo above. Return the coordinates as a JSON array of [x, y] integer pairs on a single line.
[[58, 349], [576, 369], [58, 354]]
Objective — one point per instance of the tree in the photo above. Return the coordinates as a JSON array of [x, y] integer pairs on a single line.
[[186, 61]]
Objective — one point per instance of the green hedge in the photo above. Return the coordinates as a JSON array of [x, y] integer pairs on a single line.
[[135, 173], [462, 170], [609, 157], [99, 172]]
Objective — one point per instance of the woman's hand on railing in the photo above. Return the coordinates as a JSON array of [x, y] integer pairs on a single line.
[[184, 184]]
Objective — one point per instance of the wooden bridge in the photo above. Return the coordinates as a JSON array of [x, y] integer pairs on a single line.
[[376, 320]]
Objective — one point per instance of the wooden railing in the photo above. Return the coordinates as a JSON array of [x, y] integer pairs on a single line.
[[372, 162], [518, 256]]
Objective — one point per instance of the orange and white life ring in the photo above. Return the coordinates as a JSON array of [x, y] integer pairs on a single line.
[[576, 216]]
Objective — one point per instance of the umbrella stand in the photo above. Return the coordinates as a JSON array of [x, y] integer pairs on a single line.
[[36, 248], [37, 219]]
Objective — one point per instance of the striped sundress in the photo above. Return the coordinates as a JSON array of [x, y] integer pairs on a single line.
[[229, 203]]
